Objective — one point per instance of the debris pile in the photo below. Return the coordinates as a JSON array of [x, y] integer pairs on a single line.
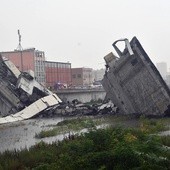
[[21, 96], [74, 109]]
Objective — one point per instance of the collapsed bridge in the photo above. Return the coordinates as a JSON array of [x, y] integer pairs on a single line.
[[21, 96], [133, 83]]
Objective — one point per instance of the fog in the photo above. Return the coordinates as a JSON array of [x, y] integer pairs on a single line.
[[82, 31]]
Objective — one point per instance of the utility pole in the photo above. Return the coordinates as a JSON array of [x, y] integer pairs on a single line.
[[19, 48]]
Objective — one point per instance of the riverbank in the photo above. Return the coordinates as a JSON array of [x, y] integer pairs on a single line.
[[20, 135], [116, 147]]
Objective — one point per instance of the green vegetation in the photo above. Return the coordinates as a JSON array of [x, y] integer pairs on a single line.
[[77, 124], [93, 102], [66, 126], [110, 148], [154, 125], [165, 140]]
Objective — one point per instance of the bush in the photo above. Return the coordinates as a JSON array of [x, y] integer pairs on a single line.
[[165, 140], [111, 148]]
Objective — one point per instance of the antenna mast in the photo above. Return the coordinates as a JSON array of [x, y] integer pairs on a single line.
[[19, 48]]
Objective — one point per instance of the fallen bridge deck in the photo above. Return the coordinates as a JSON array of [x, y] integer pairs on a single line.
[[133, 83]]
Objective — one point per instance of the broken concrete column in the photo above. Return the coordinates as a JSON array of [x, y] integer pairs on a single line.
[[133, 83]]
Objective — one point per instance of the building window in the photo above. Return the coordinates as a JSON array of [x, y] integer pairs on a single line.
[[74, 76], [79, 75]]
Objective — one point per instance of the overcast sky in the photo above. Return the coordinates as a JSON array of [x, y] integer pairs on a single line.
[[82, 31]]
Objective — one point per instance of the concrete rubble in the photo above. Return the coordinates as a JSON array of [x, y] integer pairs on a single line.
[[21, 96], [78, 108], [133, 83]]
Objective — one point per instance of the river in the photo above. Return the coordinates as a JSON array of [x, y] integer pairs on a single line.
[[20, 135]]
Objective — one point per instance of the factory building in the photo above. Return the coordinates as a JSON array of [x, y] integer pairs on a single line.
[[47, 73], [82, 76], [28, 59], [58, 74]]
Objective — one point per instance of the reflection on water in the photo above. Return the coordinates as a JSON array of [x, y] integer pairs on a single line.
[[20, 135], [165, 133]]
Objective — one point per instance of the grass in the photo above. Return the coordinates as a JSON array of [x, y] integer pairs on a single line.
[[154, 125], [66, 126], [165, 140], [111, 148], [77, 124]]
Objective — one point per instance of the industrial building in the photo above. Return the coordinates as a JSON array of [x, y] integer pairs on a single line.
[[29, 59], [82, 76], [58, 74], [47, 73]]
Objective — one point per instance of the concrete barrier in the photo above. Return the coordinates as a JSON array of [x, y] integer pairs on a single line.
[[83, 95]]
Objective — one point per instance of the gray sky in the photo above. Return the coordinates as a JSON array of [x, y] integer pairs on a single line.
[[82, 31]]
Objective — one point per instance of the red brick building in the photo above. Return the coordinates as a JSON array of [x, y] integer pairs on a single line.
[[29, 59], [46, 72], [57, 74]]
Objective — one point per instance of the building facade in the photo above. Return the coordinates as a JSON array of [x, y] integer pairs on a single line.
[[29, 59], [57, 74], [82, 76]]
